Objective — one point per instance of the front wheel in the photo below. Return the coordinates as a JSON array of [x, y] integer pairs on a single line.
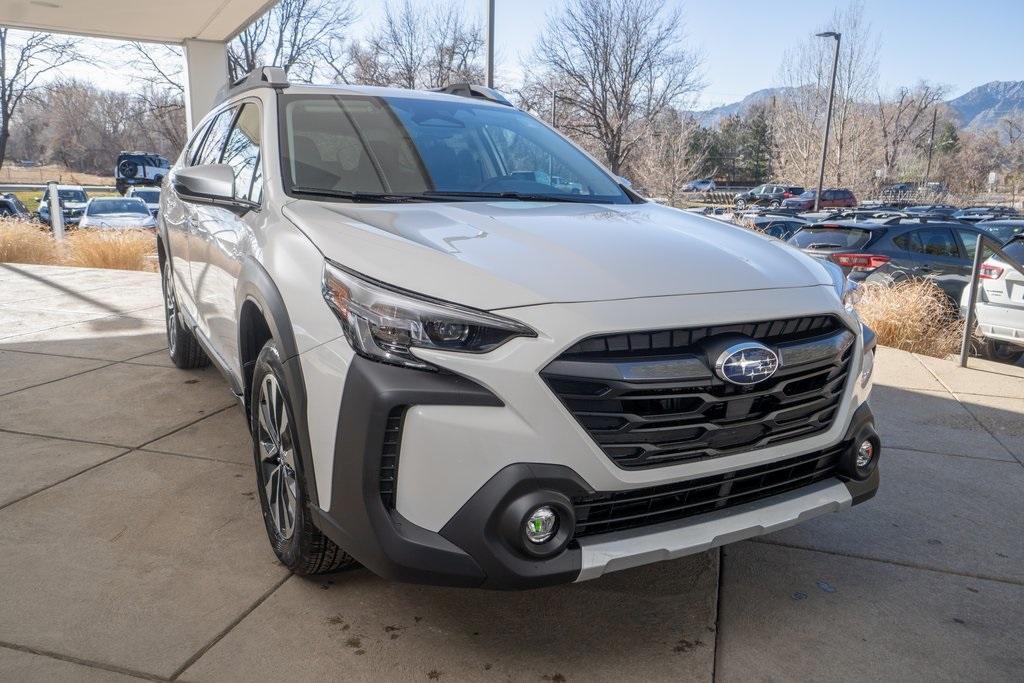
[[1001, 352], [280, 480], [182, 344], [741, 204]]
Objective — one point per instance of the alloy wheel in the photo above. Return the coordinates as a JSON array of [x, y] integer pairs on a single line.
[[277, 457], [171, 310]]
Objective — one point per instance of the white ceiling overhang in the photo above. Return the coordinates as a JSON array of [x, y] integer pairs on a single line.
[[162, 21]]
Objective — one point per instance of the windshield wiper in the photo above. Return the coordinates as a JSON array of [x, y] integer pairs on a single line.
[[518, 196], [383, 197], [823, 245]]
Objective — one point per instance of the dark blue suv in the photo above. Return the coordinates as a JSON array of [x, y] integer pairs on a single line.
[[896, 249]]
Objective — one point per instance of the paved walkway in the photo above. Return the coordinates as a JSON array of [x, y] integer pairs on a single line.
[[131, 544]]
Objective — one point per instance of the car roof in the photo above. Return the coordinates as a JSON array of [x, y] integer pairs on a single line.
[[1013, 222], [367, 90]]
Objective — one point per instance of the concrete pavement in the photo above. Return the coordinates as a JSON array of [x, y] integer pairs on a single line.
[[131, 544]]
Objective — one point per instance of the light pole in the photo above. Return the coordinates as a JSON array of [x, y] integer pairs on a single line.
[[828, 117], [490, 43]]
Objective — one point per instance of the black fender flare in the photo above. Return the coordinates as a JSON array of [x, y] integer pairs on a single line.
[[256, 287]]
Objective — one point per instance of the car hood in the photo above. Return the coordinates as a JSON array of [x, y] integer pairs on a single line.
[[493, 255]]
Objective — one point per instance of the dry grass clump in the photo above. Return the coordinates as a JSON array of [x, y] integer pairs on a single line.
[[914, 315], [118, 249], [23, 242]]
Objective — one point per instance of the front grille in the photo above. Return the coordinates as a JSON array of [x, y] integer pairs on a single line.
[[605, 512], [389, 457], [650, 399]]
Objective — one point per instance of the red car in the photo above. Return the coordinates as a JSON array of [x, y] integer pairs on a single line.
[[832, 198]]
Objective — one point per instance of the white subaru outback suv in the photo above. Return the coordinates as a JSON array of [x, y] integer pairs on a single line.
[[470, 356]]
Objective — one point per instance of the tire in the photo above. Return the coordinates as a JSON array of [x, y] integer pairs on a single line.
[[280, 481], [774, 204], [741, 204], [182, 345], [1001, 352]]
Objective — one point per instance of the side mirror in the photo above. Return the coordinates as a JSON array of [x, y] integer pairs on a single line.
[[207, 184]]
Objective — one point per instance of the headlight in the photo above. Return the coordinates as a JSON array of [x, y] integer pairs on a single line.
[[383, 323], [849, 292]]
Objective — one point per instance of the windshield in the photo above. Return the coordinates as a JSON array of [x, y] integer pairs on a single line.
[[1002, 231], [432, 149], [808, 194], [148, 196], [72, 196], [830, 237], [100, 207]]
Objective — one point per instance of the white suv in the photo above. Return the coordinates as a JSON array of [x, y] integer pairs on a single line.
[[460, 371]]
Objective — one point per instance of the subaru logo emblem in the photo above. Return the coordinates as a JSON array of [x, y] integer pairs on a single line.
[[747, 363]]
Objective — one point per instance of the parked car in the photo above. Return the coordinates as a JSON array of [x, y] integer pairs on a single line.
[[779, 226], [11, 207], [767, 195], [831, 198], [149, 195], [1000, 306], [946, 210], [898, 191], [456, 375], [72, 198], [1003, 230], [896, 249], [976, 214], [702, 185], [117, 212], [139, 168]]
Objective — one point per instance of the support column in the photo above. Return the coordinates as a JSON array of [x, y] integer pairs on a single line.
[[206, 72]]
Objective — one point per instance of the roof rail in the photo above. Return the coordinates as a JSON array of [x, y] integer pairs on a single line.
[[471, 90], [260, 77]]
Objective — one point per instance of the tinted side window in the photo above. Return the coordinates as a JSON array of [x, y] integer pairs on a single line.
[[242, 154], [909, 241], [209, 151], [939, 242]]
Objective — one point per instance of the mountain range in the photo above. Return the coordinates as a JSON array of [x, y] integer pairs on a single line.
[[980, 108]]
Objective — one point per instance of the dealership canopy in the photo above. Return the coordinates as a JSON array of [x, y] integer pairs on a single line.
[[201, 27]]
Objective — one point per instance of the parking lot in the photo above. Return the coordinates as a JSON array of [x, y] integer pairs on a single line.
[[131, 543]]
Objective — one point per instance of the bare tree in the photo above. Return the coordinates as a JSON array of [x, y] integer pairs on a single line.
[[158, 70], [420, 46], [903, 120], [670, 156], [619, 64], [802, 107], [25, 58], [291, 35]]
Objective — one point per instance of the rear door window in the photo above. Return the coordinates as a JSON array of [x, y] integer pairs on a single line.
[[939, 242], [909, 241], [829, 237]]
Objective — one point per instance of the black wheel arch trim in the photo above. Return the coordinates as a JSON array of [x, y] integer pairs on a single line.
[[256, 286]]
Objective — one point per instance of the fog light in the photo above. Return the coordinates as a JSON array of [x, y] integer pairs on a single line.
[[865, 454], [541, 525]]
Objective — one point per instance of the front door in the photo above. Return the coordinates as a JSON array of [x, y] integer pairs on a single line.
[[227, 236]]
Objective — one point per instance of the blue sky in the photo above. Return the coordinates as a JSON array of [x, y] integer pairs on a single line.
[[956, 43]]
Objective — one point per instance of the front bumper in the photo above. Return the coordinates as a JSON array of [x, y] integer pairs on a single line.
[[472, 448], [475, 548]]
